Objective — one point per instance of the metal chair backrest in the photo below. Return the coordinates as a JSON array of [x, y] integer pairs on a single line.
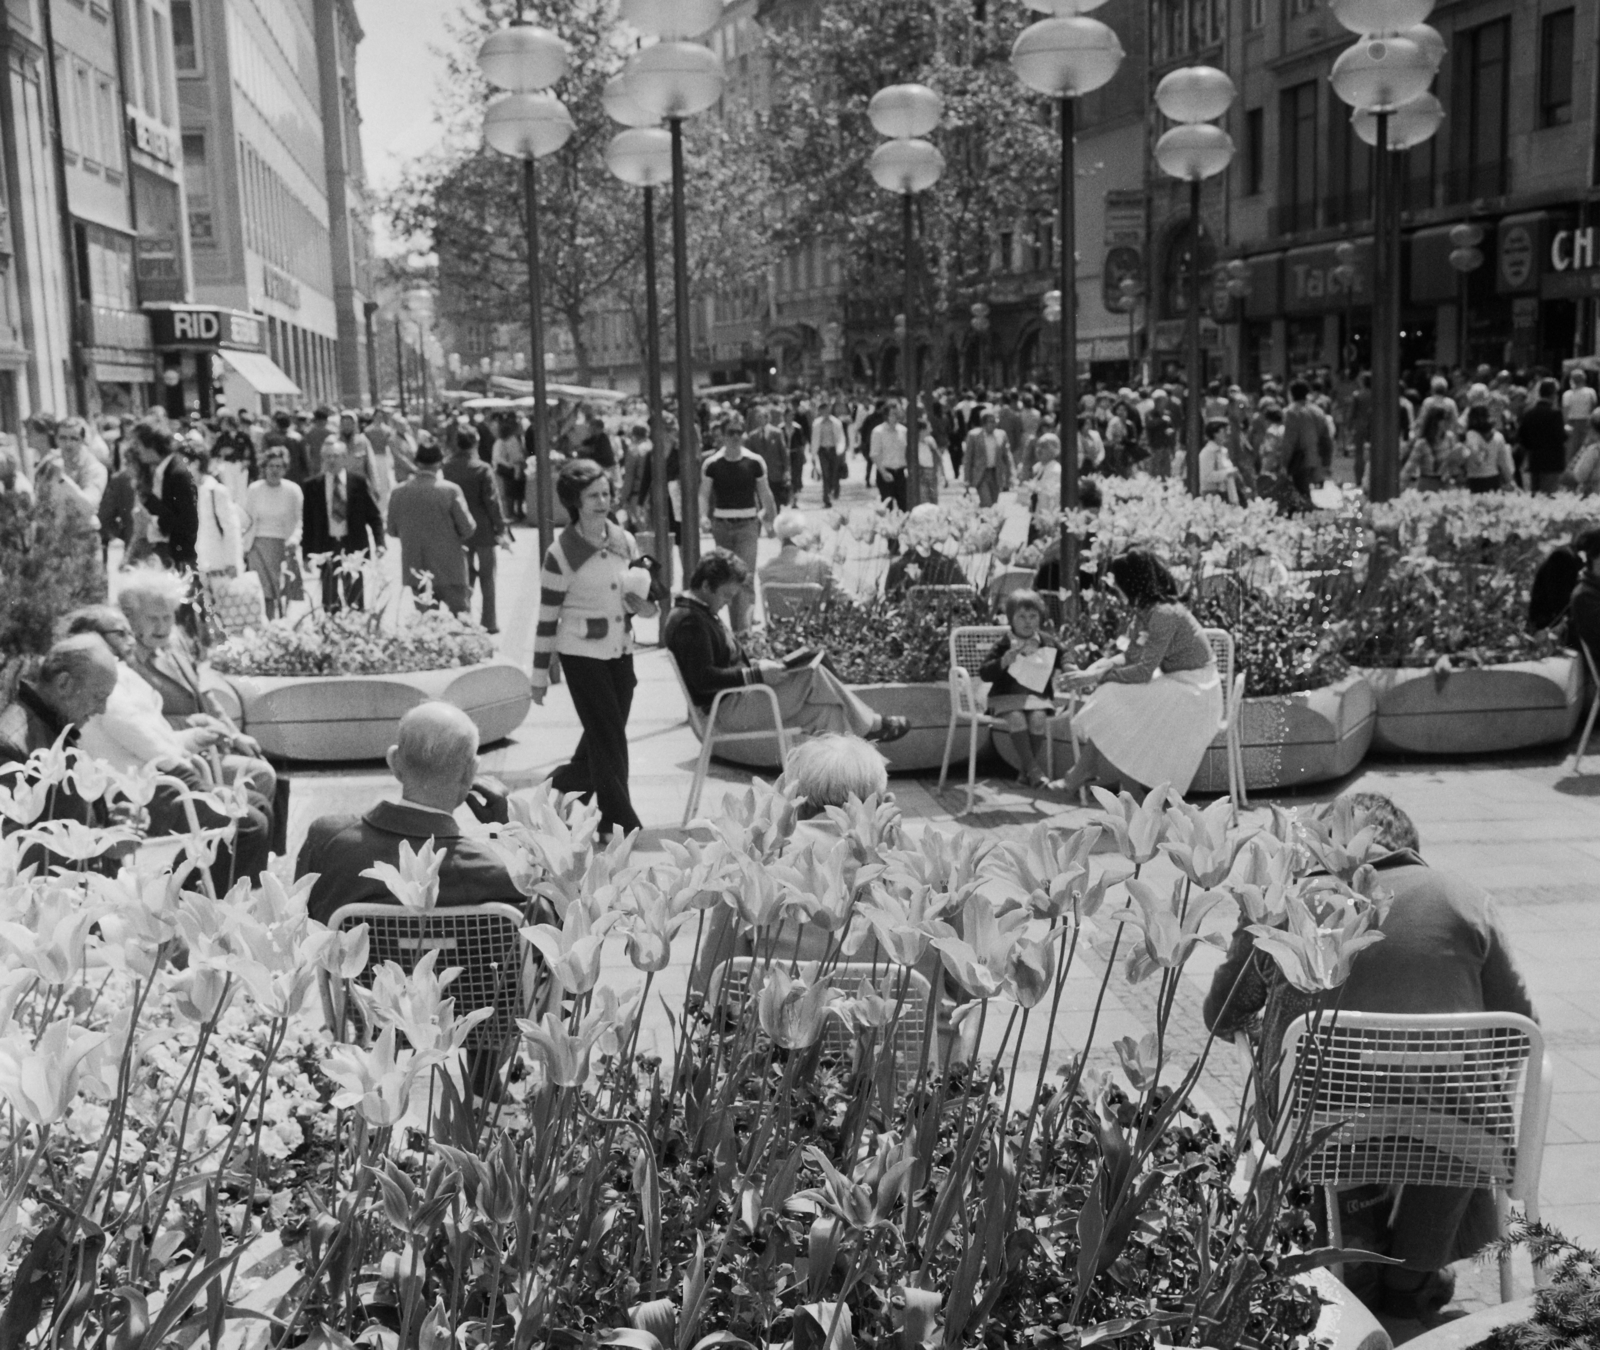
[[483, 941], [1220, 641], [1459, 1099], [969, 645], [731, 982], [695, 715], [789, 599]]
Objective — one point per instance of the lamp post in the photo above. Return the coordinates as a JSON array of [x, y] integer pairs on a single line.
[[907, 164], [1466, 258], [1194, 151], [672, 80], [1066, 56], [1050, 312], [527, 124], [980, 326], [642, 156], [1385, 76]]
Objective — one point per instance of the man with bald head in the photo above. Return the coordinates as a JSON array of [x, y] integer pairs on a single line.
[[72, 685], [436, 761]]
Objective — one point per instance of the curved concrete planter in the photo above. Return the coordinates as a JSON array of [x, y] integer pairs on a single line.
[[344, 717], [1289, 739], [1478, 711], [1466, 1332], [1345, 1323], [925, 706]]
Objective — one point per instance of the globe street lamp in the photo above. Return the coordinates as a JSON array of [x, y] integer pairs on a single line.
[[1385, 77], [1466, 258], [641, 156], [672, 80], [1194, 151], [907, 164], [527, 124], [1065, 57]]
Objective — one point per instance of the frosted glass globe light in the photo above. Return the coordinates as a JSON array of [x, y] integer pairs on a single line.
[[527, 126], [672, 20], [1195, 94], [523, 58], [1429, 39], [1380, 74], [1064, 8], [1409, 125], [905, 111], [1380, 16], [675, 79], [620, 107], [641, 156], [1194, 152], [906, 165], [1066, 57]]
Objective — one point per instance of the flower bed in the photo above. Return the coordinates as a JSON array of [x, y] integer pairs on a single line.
[[352, 642], [810, 1168]]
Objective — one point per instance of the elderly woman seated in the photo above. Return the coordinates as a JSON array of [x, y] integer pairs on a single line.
[[795, 565], [921, 563]]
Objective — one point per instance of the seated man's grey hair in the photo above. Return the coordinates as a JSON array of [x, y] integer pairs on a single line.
[[828, 770], [77, 656], [1394, 827], [150, 585], [437, 743]]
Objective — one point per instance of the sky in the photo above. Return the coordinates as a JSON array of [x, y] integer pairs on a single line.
[[397, 77]]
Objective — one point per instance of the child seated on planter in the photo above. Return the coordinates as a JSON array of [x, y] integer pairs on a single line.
[[1021, 671]]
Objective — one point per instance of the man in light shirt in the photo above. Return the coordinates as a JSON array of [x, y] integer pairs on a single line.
[[828, 445], [341, 518], [888, 454]]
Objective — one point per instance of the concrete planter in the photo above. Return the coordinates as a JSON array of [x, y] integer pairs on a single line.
[[1345, 1323], [353, 717], [1466, 1332], [1478, 711], [1289, 739], [925, 706]]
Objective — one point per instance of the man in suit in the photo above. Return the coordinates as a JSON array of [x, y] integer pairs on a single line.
[[436, 760], [173, 501], [430, 519], [478, 486], [74, 682], [340, 517], [986, 460]]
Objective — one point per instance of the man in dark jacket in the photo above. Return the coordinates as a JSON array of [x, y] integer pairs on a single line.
[[1307, 440], [1442, 952], [73, 684], [811, 698], [173, 500], [339, 516], [435, 757], [477, 483], [429, 517], [1542, 434]]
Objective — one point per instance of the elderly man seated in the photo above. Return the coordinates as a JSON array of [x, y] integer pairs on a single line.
[[795, 565], [922, 564], [150, 597], [73, 683], [130, 733], [810, 697], [436, 761]]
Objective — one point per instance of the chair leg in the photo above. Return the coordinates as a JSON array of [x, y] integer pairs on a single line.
[[1588, 730], [1050, 750], [1330, 1196], [972, 765], [949, 745], [701, 768]]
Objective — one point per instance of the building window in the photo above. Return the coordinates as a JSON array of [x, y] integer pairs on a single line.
[[1255, 13], [1007, 242], [69, 124], [83, 114], [163, 68], [1297, 157], [185, 38], [1556, 52], [1255, 151], [1478, 142], [1349, 177]]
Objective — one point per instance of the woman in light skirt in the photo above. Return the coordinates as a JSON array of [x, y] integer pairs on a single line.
[[273, 506], [1156, 708]]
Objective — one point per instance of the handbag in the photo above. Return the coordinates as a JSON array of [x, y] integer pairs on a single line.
[[237, 603]]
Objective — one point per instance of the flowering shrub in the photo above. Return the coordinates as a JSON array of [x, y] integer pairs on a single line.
[[49, 564], [807, 1168], [877, 640], [350, 642]]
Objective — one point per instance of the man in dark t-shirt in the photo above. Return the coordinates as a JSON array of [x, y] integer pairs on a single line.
[[735, 497]]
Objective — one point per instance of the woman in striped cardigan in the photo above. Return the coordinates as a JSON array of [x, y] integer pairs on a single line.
[[586, 604]]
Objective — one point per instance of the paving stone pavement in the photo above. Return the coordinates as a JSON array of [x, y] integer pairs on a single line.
[[1521, 826]]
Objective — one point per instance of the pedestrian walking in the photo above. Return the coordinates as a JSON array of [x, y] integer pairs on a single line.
[[430, 518], [736, 497], [767, 440], [478, 486], [340, 519], [986, 459], [888, 455], [273, 508]]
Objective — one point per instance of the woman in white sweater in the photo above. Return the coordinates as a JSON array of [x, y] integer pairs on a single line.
[[273, 505]]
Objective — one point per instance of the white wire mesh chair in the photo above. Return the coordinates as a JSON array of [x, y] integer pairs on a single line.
[[1594, 708], [1221, 643], [789, 599], [704, 725], [1447, 1099], [498, 969], [731, 981]]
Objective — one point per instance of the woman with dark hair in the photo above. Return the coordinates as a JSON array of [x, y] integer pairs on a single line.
[[589, 592], [1490, 467], [1156, 708]]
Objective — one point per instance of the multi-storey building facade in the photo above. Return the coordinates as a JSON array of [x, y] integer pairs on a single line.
[[273, 173], [1515, 156]]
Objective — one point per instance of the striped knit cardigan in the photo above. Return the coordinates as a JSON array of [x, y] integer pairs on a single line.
[[581, 607]]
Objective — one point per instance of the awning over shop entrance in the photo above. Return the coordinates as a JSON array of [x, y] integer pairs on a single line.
[[260, 372]]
